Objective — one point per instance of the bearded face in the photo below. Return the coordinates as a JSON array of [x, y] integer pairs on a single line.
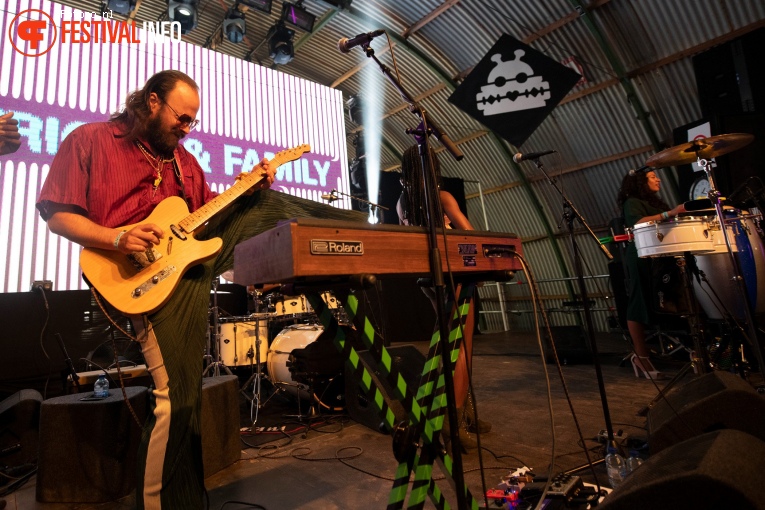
[[162, 134]]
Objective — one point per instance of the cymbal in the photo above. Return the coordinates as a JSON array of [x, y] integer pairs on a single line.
[[704, 148]]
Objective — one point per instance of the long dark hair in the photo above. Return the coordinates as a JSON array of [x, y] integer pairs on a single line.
[[635, 185], [414, 188], [137, 110]]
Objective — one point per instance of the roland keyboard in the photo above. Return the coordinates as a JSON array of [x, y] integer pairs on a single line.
[[303, 250]]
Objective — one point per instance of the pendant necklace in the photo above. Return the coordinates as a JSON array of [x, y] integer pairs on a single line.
[[156, 163]]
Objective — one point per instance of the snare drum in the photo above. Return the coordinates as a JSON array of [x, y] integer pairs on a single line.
[[673, 237], [747, 246], [238, 336]]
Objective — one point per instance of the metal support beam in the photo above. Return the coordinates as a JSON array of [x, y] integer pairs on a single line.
[[624, 80]]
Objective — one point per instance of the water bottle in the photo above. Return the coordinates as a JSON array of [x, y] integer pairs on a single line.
[[101, 388], [633, 461], [616, 466]]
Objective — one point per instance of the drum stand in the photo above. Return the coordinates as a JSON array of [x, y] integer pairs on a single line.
[[214, 368], [257, 377], [312, 410], [751, 333]]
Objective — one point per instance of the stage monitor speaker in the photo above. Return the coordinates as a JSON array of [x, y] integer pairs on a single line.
[[404, 358], [714, 401], [88, 449], [220, 423], [571, 344], [19, 428], [721, 469]]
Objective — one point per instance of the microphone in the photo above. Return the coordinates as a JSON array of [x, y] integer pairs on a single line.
[[331, 197], [531, 155], [345, 44], [633, 171]]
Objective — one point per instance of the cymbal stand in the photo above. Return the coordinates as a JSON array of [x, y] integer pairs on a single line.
[[751, 333], [214, 368]]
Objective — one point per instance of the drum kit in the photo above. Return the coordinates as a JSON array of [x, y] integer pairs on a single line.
[[267, 338], [727, 244]]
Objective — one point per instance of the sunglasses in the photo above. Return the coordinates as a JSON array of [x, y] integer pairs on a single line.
[[184, 120]]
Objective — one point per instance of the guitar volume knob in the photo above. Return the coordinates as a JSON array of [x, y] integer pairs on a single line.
[[137, 292], [155, 279]]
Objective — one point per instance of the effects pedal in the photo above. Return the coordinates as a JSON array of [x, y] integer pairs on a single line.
[[565, 486]]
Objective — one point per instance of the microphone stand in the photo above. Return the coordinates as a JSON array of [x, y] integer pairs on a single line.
[[570, 213], [433, 207], [332, 198], [69, 364]]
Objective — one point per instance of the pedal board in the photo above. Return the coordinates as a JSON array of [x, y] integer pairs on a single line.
[[565, 486]]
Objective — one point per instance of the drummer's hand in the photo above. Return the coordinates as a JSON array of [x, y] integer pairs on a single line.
[[677, 210]]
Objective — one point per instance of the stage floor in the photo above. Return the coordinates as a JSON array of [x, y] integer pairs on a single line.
[[303, 470]]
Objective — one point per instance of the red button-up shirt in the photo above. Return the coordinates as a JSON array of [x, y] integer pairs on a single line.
[[110, 179]]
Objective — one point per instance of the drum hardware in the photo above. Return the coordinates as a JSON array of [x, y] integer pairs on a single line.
[[213, 369], [255, 355], [701, 151]]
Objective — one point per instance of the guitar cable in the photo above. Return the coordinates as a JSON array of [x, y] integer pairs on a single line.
[[100, 304]]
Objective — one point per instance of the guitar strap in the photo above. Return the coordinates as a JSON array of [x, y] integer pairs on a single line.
[[179, 175]]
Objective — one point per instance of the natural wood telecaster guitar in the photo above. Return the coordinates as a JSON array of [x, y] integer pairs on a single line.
[[142, 282]]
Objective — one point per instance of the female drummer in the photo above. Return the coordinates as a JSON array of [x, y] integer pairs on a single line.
[[639, 200]]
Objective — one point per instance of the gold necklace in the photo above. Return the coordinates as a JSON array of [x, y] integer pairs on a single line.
[[156, 163]]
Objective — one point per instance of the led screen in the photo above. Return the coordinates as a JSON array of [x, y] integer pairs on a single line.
[[247, 112]]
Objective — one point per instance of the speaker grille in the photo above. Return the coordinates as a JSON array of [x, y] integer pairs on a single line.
[[714, 401], [721, 469]]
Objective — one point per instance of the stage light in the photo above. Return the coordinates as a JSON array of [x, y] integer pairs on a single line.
[[354, 109], [184, 12], [261, 5], [280, 46], [123, 7], [298, 16], [234, 25], [358, 143]]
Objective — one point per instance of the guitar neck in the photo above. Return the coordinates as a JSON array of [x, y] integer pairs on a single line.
[[202, 215], [245, 182]]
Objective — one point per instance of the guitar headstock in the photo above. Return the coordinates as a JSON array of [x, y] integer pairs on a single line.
[[292, 154]]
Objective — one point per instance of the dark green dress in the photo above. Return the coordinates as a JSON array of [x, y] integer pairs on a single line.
[[638, 269]]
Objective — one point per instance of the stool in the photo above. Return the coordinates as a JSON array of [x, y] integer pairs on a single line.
[[88, 448]]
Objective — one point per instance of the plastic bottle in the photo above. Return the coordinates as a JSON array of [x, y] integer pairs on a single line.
[[616, 467], [633, 462], [101, 387]]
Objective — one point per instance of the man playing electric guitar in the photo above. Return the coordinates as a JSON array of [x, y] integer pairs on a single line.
[[112, 174]]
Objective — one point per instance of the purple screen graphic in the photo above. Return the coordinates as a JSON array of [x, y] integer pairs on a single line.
[[247, 112]]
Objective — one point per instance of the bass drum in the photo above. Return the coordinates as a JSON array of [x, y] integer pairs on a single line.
[[299, 336], [747, 245]]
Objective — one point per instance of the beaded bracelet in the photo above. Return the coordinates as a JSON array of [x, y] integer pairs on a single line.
[[665, 215], [117, 239]]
